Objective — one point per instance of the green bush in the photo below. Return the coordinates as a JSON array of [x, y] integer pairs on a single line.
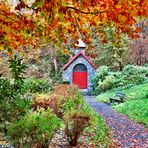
[[13, 103], [101, 74], [35, 85], [106, 80], [107, 84], [35, 128], [134, 74], [69, 105]]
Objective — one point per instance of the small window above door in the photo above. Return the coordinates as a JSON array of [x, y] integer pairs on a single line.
[[80, 67]]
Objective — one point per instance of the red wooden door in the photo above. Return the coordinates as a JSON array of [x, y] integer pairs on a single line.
[[80, 76]]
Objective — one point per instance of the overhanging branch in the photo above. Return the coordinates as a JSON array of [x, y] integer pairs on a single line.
[[84, 12]]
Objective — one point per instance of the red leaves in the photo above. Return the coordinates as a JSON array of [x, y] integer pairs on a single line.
[[20, 5], [116, 2], [137, 30], [135, 36]]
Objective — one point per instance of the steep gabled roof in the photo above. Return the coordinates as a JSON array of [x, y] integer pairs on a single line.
[[75, 57]]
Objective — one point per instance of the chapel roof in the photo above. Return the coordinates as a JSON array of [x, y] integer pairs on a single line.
[[76, 56]]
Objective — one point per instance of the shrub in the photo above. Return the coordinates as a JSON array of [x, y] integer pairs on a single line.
[[46, 101], [75, 125], [135, 74], [13, 104], [35, 128], [105, 80], [107, 84], [35, 85], [57, 99], [100, 75], [17, 70], [68, 104]]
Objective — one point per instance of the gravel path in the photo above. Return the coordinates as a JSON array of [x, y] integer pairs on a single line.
[[126, 133]]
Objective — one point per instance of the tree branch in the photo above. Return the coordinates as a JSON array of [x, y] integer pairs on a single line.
[[84, 12]]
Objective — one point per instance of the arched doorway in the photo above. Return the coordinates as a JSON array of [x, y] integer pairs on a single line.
[[80, 76]]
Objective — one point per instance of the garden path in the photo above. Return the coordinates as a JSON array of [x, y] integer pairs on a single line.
[[126, 133]]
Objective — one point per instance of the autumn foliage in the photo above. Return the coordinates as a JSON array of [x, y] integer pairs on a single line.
[[56, 99], [64, 21]]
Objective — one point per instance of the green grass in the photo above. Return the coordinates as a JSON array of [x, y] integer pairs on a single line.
[[135, 105], [136, 109], [98, 130], [133, 93]]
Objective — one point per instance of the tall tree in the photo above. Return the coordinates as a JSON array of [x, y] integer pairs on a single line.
[[113, 49], [139, 48]]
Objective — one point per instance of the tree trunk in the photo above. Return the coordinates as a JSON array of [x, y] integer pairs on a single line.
[[120, 66], [55, 63]]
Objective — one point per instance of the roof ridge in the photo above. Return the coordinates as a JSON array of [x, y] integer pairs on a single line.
[[77, 55]]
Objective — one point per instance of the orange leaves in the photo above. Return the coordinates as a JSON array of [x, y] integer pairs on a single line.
[[138, 29], [62, 21], [65, 51], [123, 18], [136, 1], [135, 36], [15, 30], [118, 6]]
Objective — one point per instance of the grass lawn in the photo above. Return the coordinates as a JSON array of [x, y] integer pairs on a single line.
[[135, 105], [133, 93], [136, 109]]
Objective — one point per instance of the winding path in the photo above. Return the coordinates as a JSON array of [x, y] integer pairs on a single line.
[[126, 133]]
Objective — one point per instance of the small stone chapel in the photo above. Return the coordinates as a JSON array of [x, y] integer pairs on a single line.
[[80, 70]]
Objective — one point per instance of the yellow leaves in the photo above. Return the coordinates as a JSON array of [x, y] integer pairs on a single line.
[[118, 6], [63, 3], [1, 47], [136, 1], [65, 51], [122, 18]]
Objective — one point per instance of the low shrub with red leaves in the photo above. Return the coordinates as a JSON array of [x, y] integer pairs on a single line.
[[56, 99]]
